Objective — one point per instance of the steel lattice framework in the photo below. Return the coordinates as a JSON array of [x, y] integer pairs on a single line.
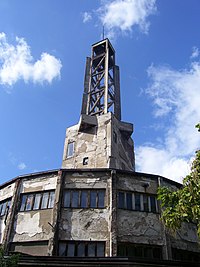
[[101, 92]]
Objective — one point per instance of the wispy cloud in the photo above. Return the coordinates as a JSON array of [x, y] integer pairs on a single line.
[[87, 17], [195, 52], [122, 15], [17, 63], [176, 94], [21, 166]]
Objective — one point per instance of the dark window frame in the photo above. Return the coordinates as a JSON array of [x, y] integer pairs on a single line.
[[5, 206], [143, 202], [74, 245], [140, 251], [98, 202], [25, 196]]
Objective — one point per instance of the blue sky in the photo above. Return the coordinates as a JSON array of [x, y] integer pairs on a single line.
[[43, 46]]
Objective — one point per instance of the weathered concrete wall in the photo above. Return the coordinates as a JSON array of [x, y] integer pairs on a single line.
[[90, 224], [40, 183], [7, 192], [138, 226], [96, 143], [34, 225]]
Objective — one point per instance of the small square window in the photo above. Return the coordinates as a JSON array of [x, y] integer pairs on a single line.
[[85, 161]]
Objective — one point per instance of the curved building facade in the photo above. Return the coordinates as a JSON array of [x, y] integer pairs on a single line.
[[96, 205]]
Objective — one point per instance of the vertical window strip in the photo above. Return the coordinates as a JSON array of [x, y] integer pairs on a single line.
[[84, 198], [137, 201], [36, 201], [82, 248]]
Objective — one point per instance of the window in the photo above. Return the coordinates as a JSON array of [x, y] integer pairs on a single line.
[[84, 198], [70, 149], [139, 251], [85, 161], [82, 249], [137, 201], [4, 206], [36, 201], [184, 255]]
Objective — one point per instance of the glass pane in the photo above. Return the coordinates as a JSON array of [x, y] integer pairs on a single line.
[[70, 250], [121, 200], [93, 199], [3, 208], [148, 253], [29, 202], [36, 205], [138, 252], [100, 250], [51, 200], [1, 205], [45, 198], [81, 250], [91, 249], [121, 250], [23, 202], [137, 201], [62, 249], [157, 253], [75, 199], [66, 199], [84, 199], [145, 203], [153, 203], [101, 196], [129, 201], [70, 149]]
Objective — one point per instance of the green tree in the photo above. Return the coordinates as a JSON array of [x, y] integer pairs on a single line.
[[8, 261], [183, 205]]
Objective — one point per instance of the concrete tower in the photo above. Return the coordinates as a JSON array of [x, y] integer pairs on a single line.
[[100, 139]]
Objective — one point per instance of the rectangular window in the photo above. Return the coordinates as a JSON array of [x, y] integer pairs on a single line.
[[101, 197], [45, 199], [70, 149], [4, 206], [121, 203], [82, 249], [153, 204], [137, 201], [36, 201], [29, 202], [84, 198], [145, 202], [75, 199], [93, 199], [129, 201], [139, 251]]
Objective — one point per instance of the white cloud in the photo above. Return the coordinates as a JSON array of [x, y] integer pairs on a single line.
[[21, 166], [86, 17], [123, 15], [195, 52], [17, 63], [175, 94]]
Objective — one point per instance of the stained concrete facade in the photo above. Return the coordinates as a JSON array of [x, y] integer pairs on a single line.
[[96, 205]]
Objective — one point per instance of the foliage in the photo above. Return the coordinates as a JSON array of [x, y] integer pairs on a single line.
[[8, 261], [183, 205]]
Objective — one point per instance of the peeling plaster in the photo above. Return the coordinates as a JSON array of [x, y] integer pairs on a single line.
[[27, 224]]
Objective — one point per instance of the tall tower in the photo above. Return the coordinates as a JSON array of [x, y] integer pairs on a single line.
[[100, 139]]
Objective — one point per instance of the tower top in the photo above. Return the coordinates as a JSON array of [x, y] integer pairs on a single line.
[[101, 85]]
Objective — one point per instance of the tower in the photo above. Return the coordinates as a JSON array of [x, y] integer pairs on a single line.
[[100, 139]]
